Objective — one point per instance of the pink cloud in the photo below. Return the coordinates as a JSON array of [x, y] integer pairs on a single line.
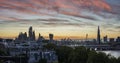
[[67, 7]]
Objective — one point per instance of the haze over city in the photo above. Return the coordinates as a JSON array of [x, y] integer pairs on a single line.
[[63, 18]]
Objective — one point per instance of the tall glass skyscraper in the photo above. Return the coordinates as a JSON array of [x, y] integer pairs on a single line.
[[98, 35], [31, 34]]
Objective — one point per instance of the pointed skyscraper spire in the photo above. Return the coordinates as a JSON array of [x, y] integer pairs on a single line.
[[86, 37], [98, 35]]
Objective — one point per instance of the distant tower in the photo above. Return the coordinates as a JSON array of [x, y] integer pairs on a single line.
[[118, 39], [98, 35], [51, 37], [105, 38], [39, 35], [25, 34], [31, 34], [86, 37], [111, 39], [40, 38]]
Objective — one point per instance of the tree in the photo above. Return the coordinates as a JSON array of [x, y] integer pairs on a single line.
[[50, 46], [42, 61], [112, 60], [97, 57], [118, 60], [79, 55], [63, 53], [2, 53]]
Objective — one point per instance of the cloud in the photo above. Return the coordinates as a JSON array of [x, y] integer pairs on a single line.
[[8, 18], [35, 6], [117, 27], [74, 13]]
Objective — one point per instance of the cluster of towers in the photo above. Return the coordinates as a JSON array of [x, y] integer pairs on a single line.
[[105, 38], [23, 37], [31, 37]]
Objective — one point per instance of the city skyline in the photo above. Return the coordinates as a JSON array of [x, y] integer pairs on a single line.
[[63, 18], [31, 35]]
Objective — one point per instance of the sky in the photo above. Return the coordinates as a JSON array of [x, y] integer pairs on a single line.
[[63, 18]]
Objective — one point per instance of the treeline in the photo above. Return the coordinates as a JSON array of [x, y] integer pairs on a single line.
[[76, 55], [81, 55]]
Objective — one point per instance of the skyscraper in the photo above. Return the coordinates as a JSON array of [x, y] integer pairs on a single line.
[[31, 34], [118, 39], [86, 37], [40, 38], [105, 38], [22, 37], [111, 39], [98, 35], [51, 37]]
